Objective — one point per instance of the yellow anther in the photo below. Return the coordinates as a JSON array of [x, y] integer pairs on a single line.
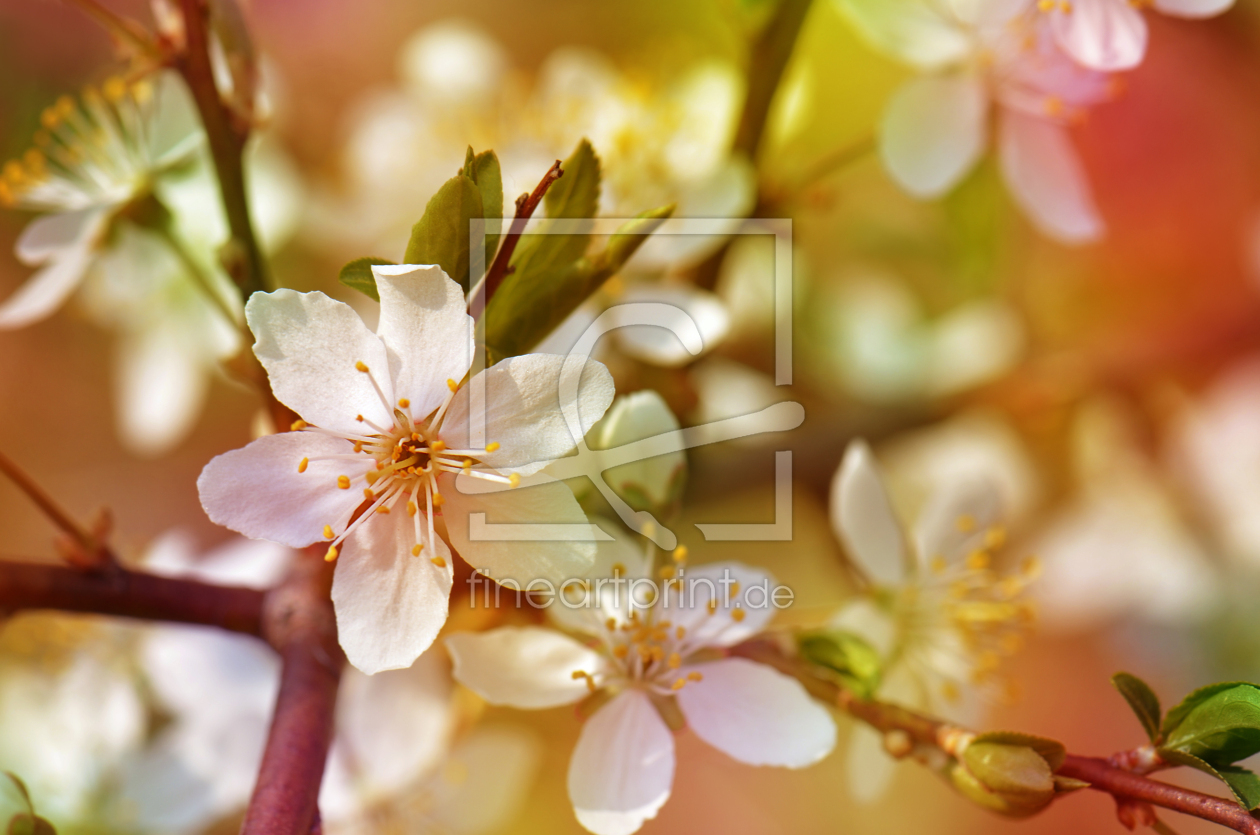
[[6, 194], [114, 88], [667, 571], [50, 118], [938, 565], [451, 384], [403, 402], [712, 606], [343, 481], [358, 446], [694, 676], [412, 510], [734, 590], [978, 560], [383, 509], [678, 684], [737, 615], [332, 553], [438, 500], [437, 446], [359, 418], [34, 160], [368, 494], [675, 661], [371, 476], [359, 365], [994, 538], [514, 480], [416, 549], [1047, 5], [611, 624], [328, 532], [618, 569], [466, 466], [965, 523], [680, 554], [680, 632], [303, 464], [438, 561], [493, 446], [1053, 106], [620, 651]]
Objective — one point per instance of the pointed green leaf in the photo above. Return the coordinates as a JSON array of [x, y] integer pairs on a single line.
[[854, 660], [574, 196], [441, 236], [1244, 784], [484, 170], [525, 310], [358, 275], [1052, 751], [1142, 700], [1219, 724]]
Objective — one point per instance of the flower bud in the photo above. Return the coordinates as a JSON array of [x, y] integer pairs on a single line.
[[1013, 780], [650, 483]]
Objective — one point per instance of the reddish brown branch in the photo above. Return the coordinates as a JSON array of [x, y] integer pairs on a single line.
[[1122, 784], [90, 551], [526, 204], [132, 594], [300, 624]]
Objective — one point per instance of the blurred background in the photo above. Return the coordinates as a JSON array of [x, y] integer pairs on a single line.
[[1112, 390]]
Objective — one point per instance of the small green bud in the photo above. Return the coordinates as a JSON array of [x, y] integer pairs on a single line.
[[652, 483], [1012, 780]]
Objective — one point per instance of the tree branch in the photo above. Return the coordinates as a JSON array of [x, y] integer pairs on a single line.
[[526, 204], [768, 59], [131, 594], [299, 622]]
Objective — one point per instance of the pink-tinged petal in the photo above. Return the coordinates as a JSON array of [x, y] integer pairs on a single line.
[[869, 766], [623, 766], [863, 518], [427, 332], [756, 714], [258, 491], [919, 32], [525, 667], [504, 555], [734, 587], [523, 413], [310, 345], [46, 237], [958, 521], [161, 383], [1193, 8], [933, 132], [45, 291], [1103, 35], [390, 605], [1046, 178]]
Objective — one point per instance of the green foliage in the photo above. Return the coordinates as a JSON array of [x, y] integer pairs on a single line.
[[1142, 700], [483, 169], [17, 814], [358, 275], [852, 659], [528, 306], [441, 235], [1219, 724], [1244, 784]]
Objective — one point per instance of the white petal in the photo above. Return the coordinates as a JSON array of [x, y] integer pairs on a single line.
[[634, 417], [504, 757], [863, 518], [258, 491], [49, 236], [688, 606], [957, 521], [756, 714], [427, 333], [390, 605], [523, 411], [623, 766], [915, 31], [987, 12], [587, 614], [46, 290], [209, 677], [526, 667], [659, 346], [309, 345], [1046, 178], [864, 618], [869, 766], [933, 132], [252, 563], [503, 557], [1103, 35], [1193, 8], [161, 388]]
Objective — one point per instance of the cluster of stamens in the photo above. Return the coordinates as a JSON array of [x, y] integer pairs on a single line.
[[408, 457], [93, 147]]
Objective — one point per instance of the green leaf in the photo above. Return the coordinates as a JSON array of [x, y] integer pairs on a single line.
[[1244, 784], [526, 309], [574, 196], [1051, 750], [1142, 700], [30, 825], [441, 236], [358, 275], [1219, 724], [853, 659], [484, 170]]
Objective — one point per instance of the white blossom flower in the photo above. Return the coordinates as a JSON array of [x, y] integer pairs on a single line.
[[1111, 34], [936, 612], [386, 432], [643, 662], [981, 56]]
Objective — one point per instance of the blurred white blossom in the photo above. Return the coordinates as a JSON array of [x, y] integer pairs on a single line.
[[1111, 34]]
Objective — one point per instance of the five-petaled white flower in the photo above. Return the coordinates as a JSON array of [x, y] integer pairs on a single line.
[[384, 448], [1111, 34], [645, 659], [940, 617], [981, 55]]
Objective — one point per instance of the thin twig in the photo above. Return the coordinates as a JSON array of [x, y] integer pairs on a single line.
[[131, 594], [126, 31], [95, 550], [526, 204]]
